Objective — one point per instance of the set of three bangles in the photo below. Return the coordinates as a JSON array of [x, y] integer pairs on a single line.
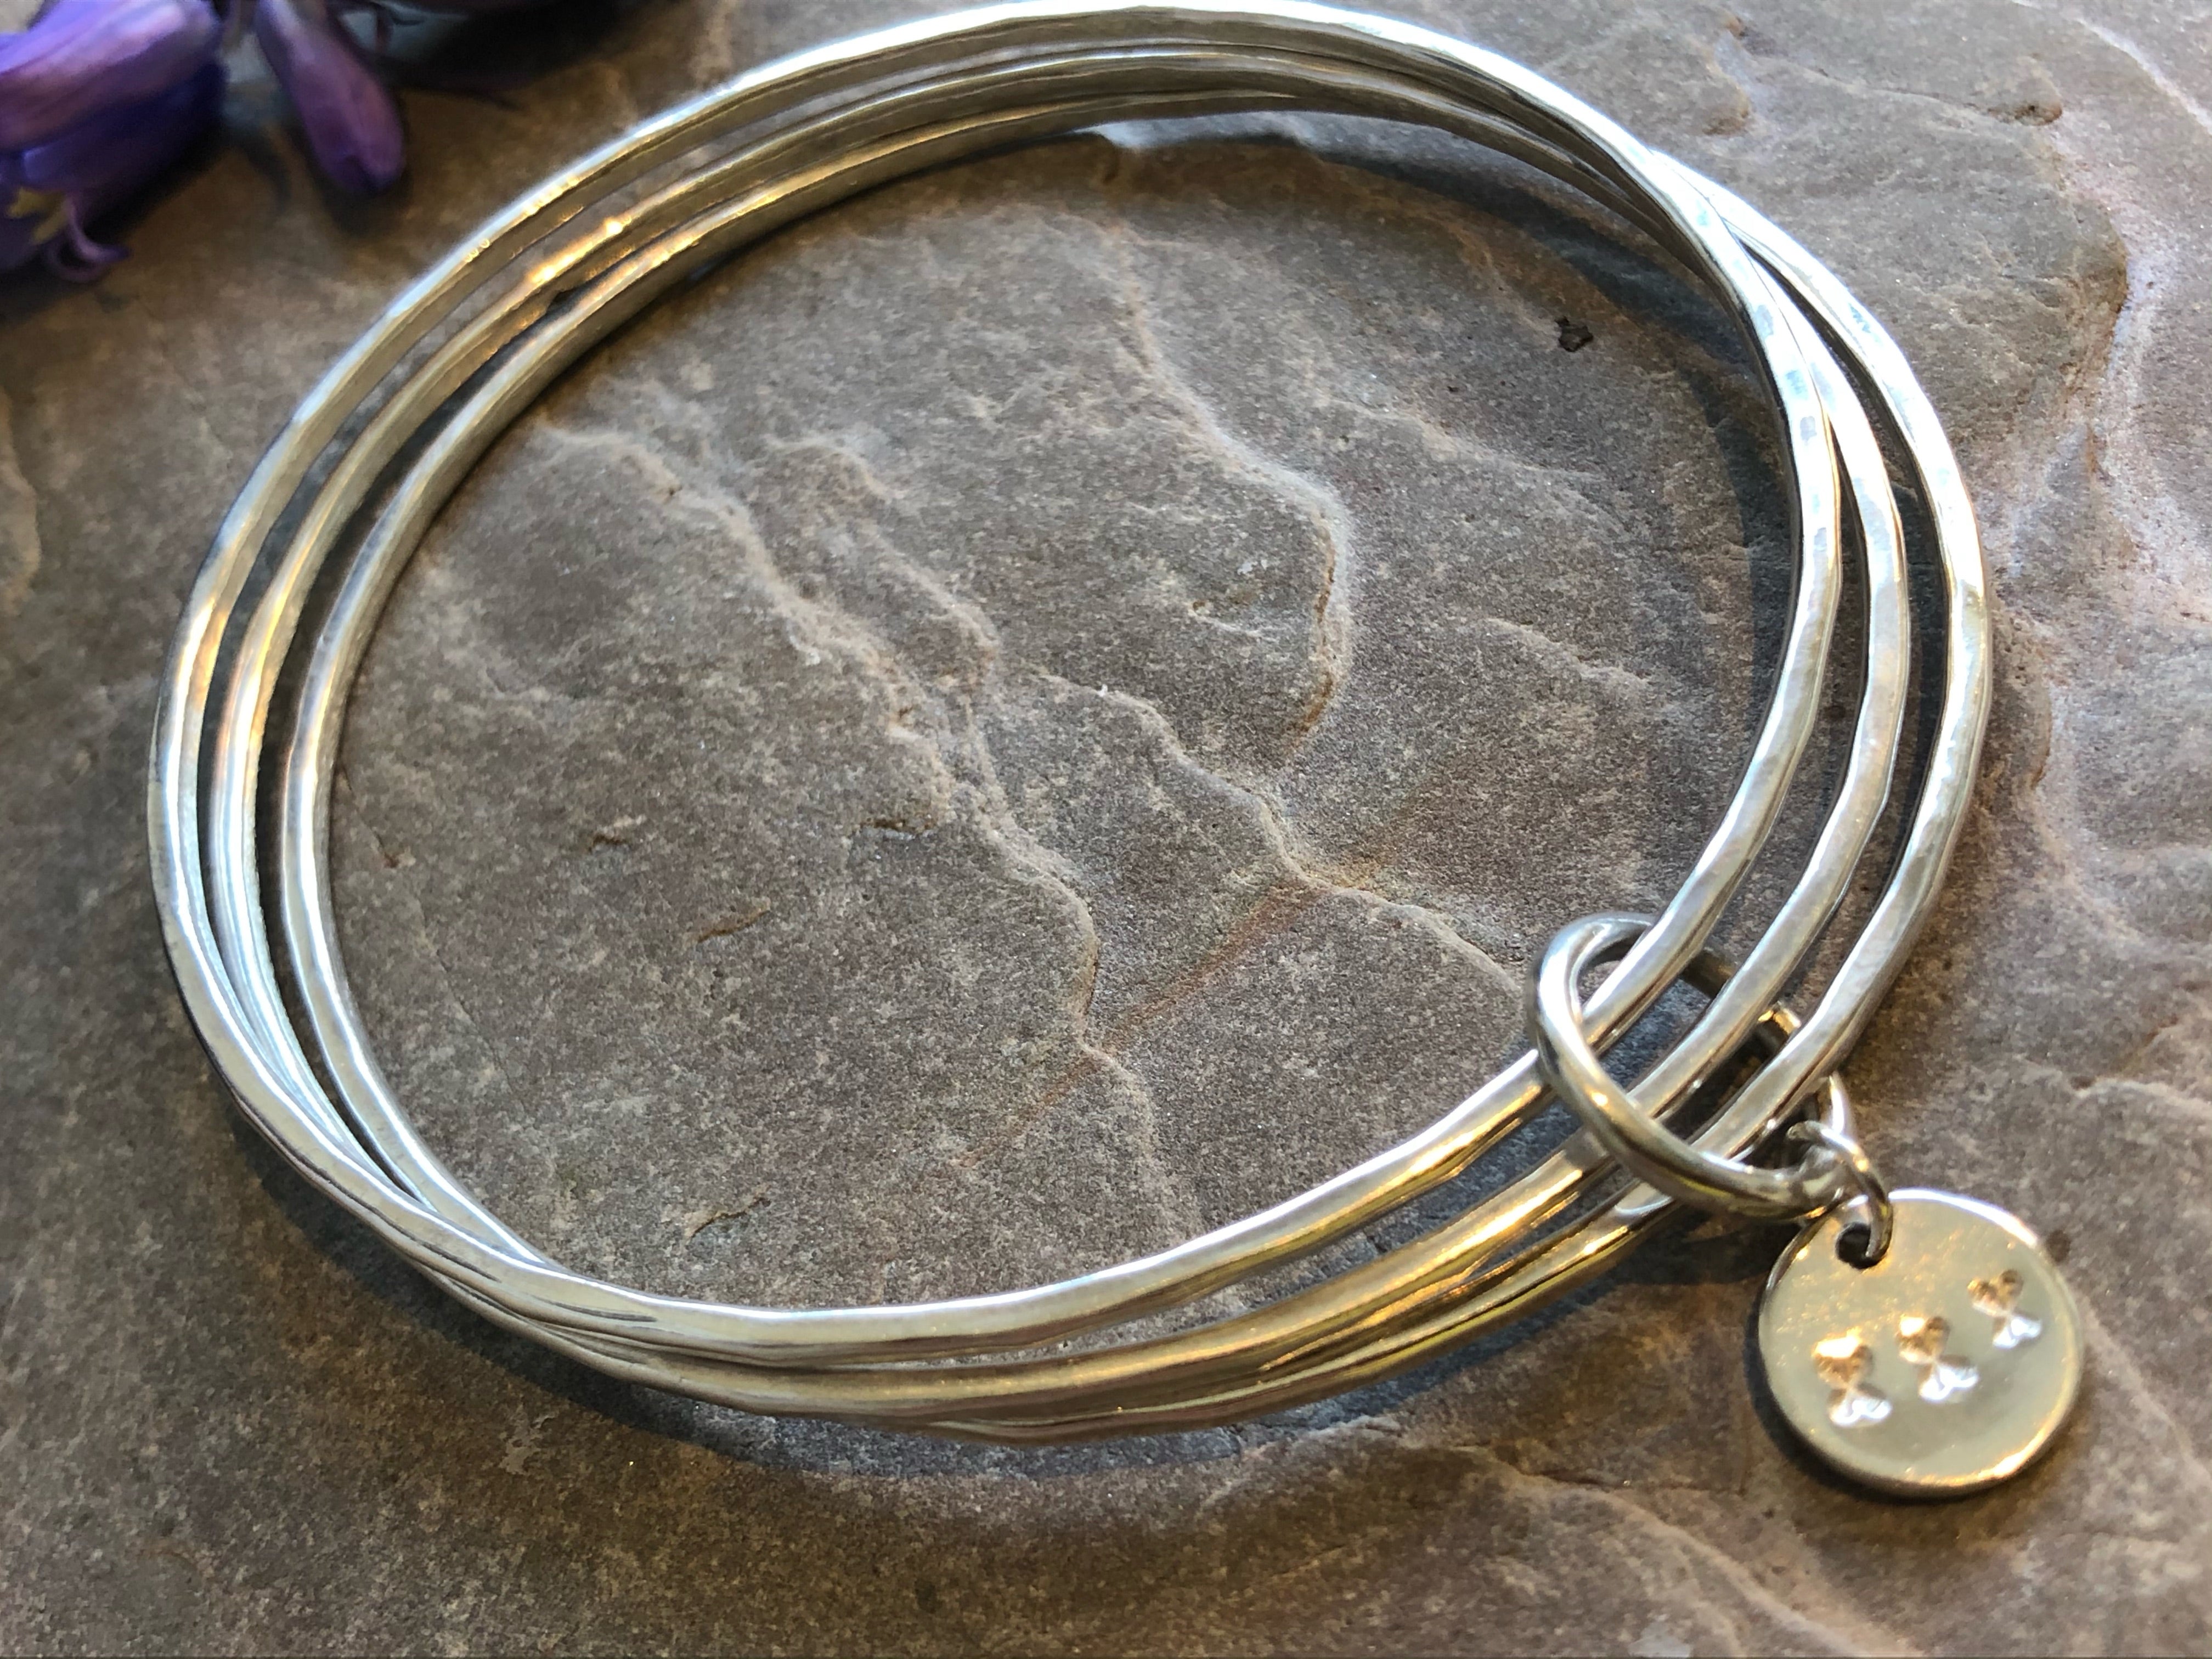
[[1919, 1342]]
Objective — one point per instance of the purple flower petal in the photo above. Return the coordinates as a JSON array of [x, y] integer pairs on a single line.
[[352, 124], [51, 191], [83, 56]]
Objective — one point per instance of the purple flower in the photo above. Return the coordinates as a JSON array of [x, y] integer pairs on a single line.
[[83, 57], [96, 98], [352, 124]]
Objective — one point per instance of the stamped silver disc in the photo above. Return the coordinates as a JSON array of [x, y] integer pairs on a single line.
[[1943, 1368]]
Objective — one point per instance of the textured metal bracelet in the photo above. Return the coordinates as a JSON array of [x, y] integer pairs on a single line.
[[1920, 1342]]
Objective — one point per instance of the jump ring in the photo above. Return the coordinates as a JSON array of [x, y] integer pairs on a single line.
[[1627, 1128], [1858, 1168]]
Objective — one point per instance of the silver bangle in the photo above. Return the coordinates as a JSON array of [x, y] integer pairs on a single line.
[[398, 422]]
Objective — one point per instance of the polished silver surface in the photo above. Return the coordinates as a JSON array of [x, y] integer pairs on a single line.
[[1942, 1369], [399, 420]]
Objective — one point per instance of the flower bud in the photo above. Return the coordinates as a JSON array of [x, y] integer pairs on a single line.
[[352, 125]]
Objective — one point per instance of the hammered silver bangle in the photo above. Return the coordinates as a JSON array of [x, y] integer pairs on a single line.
[[1920, 1342]]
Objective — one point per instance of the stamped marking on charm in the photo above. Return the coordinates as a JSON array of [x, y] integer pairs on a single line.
[[1843, 1362], [1941, 1369], [1943, 1376], [1998, 1297]]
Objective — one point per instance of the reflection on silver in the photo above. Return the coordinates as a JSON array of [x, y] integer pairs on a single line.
[[1924, 1341], [1843, 1362], [400, 419], [1998, 1299]]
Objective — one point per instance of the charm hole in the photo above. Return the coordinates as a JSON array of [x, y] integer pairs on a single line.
[[1855, 1245]]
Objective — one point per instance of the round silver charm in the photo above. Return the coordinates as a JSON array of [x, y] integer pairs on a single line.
[[1943, 1368]]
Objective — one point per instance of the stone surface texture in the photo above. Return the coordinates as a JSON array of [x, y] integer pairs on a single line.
[[1043, 710]]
